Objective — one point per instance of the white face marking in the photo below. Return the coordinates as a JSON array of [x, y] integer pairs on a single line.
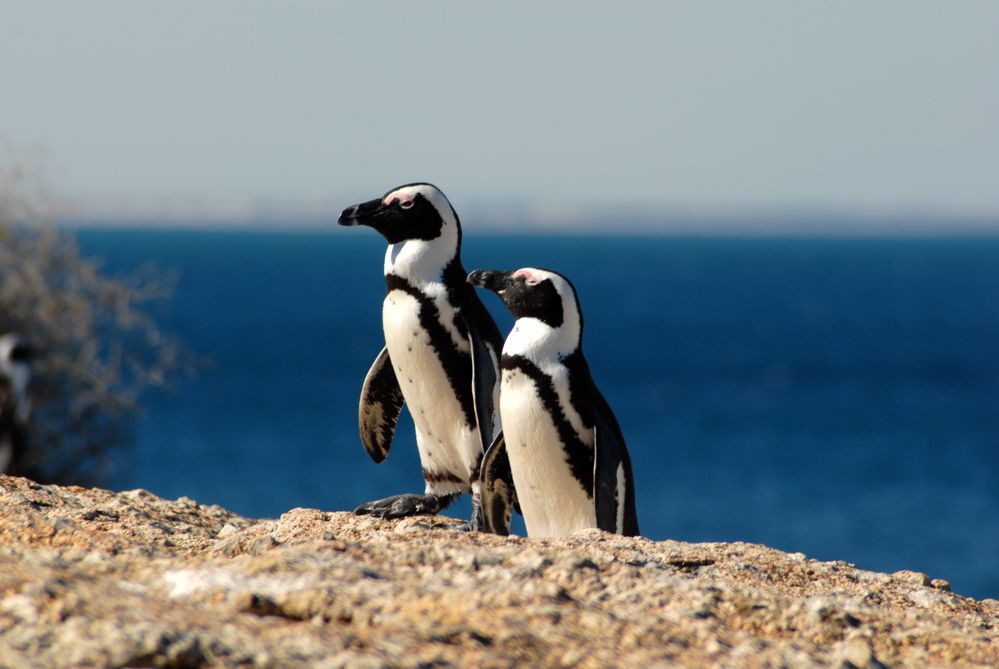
[[423, 261]]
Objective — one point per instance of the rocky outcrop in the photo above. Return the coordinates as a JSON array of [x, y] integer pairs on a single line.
[[94, 578]]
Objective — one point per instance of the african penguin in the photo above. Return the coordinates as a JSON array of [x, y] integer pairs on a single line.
[[15, 405], [441, 354], [561, 444]]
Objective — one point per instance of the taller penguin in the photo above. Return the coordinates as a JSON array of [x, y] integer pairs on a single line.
[[561, 443], [441, 354]]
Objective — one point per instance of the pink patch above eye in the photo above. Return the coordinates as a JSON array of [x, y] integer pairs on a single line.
[[403, 199], [530, 278]]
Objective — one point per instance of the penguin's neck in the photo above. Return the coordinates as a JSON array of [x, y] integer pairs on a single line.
[[420, 262], [541, 343]]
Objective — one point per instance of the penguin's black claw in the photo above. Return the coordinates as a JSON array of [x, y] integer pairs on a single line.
[[473, 525], [403, 506], [477, 523]]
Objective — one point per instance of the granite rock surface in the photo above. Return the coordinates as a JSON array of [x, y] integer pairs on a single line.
[[91, 578]]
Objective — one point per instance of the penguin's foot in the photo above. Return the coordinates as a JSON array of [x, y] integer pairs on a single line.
[[476, 524], [401, 506]]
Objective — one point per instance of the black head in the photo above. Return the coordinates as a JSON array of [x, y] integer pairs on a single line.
[[532, 293], [15, 350], [417, 211]]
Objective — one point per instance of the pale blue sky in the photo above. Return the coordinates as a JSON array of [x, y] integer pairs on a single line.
[[866, 106]]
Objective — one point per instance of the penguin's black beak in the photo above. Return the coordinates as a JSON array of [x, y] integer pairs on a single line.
[[490, 280], [361, 214]]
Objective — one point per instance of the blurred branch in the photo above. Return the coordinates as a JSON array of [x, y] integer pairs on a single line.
[[100, 349]]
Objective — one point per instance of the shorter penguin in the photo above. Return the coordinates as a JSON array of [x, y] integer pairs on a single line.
[[15, 405], [561, 456]]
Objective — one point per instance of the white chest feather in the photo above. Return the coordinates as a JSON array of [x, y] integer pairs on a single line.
[[446, 443], [553, 501]]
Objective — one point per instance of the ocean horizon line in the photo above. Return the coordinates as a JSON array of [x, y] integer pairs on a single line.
[[786, 224]]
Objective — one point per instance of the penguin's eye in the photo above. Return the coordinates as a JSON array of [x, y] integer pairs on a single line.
[[406, 204]]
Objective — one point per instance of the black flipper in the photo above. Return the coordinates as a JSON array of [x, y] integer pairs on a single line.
[[613, 483], [485, 363], [380, 406], [485, 343], [498, 494]]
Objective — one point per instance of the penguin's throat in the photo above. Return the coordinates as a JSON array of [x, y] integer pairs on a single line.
[[419, 261], [539, 342]]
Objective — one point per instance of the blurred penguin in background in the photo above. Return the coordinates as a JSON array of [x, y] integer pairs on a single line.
[[15, 405]]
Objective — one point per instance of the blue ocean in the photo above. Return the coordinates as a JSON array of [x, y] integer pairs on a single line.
[[837, 397]]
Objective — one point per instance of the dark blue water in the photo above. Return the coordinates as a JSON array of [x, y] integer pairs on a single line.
[[834, 397]]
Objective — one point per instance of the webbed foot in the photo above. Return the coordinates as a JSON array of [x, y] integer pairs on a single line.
[[402, 506]]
